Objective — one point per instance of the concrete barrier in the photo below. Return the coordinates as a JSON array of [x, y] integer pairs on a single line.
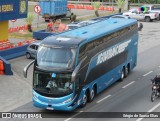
[[8, 54], [7, 66], [13, 52], [41, 34]]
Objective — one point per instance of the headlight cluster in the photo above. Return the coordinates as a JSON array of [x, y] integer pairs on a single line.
[[66, 101], [35, 96]]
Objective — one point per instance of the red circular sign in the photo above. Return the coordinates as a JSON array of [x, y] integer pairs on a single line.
[[14, 20], [37, 9]]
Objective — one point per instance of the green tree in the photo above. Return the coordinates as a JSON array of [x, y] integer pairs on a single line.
[[96, 7], [120, 4], [29, 21]]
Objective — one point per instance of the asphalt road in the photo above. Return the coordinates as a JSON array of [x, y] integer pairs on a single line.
[[131, 95]]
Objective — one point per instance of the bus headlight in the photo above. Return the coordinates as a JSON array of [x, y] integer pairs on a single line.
[[66, 101]]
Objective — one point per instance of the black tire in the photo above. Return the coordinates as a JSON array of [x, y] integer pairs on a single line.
[[92, 94], [28, 55], [147, 19], [122, 75], [126, 71], [85, 98], [153, 96]]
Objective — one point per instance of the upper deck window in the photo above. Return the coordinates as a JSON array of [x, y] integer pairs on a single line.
[[56, 57]]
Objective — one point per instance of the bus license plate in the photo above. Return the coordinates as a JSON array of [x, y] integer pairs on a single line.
[[50, 108]]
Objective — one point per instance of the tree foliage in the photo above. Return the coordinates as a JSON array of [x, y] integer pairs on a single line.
[[120, 4], [30, 18], [29, 21], [96, 7]]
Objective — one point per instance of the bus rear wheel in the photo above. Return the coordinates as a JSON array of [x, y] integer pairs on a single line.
[[122, 75], [126, 71], [92, 94]]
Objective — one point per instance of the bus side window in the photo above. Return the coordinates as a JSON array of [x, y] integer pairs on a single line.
[[82, 52]]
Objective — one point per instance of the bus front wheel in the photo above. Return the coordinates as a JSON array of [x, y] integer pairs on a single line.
[[84, 100]]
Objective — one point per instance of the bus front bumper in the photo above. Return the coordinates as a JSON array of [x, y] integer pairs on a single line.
[[47, 103]]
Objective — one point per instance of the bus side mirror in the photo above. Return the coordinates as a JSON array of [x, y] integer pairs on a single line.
[[26, 68], [74, 74]]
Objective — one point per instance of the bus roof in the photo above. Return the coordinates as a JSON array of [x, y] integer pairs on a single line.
[[89, 32]]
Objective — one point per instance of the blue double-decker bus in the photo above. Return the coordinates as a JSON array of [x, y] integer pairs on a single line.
[[71, 68]]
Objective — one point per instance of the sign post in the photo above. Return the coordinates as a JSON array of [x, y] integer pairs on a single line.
[[14, 20], [37, 9]]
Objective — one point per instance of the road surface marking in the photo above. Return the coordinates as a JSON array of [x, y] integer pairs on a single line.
[[128, 84], [73, 116], [151, 110], [103, 99], [147, 73]]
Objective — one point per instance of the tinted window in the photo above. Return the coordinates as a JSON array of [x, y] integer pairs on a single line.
[[36, 47], [91, 45], [32, 46], [56, 57]]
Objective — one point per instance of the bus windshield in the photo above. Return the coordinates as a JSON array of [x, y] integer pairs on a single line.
[[47, 85], [56, 57]]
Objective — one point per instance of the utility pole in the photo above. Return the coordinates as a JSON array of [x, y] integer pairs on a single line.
[[126, 5], [37, 16]]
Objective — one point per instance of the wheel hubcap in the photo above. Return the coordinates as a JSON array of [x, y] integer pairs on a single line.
[[28, 56], [92, 94], [126, 70], [84, 99], [122, 76]]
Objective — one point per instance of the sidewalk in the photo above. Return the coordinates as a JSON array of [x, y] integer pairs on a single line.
[[14, 92], [15, 89]]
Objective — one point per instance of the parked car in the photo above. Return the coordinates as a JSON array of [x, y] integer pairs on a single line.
[[138, 15], [32, 50], [153, 8]]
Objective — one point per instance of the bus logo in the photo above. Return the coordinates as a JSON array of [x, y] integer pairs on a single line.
[[115, 50]]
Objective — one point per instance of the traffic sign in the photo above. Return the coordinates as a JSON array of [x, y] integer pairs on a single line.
[[37, 9], [14, 20]]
